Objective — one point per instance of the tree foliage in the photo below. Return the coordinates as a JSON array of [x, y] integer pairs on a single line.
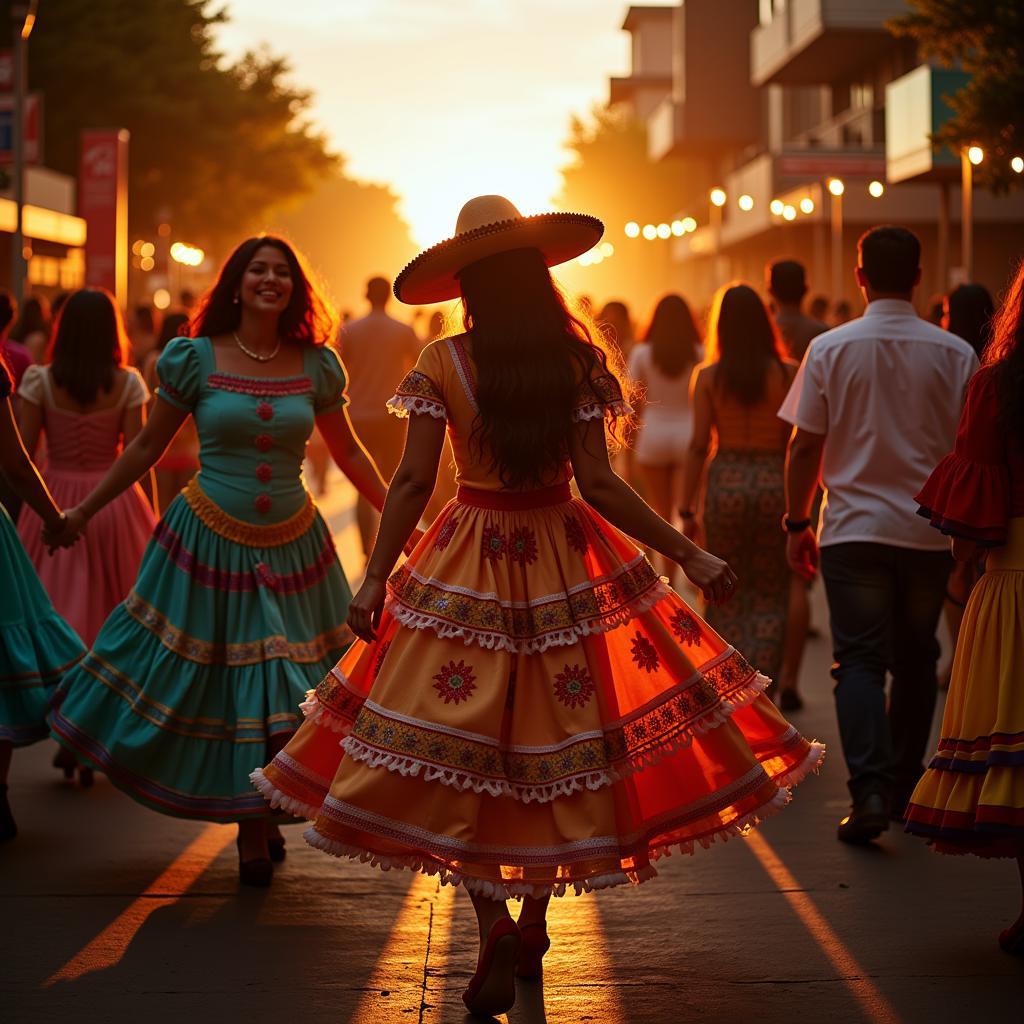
[[350, 231], [611, 176], [214, 146], [985, 38]]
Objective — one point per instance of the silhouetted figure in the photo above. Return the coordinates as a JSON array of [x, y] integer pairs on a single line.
[[32, 328], [786, 283], [378, 351], [967, 313]]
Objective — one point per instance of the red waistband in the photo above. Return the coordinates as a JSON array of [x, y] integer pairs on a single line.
[[515, 501]]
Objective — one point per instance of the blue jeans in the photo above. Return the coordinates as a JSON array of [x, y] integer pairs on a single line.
[[884, 603]]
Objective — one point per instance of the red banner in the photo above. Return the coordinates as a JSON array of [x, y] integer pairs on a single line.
[[103, 203]]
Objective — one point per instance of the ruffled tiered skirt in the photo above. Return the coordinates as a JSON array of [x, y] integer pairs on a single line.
[[36, 645], [197, 675], [540, 712], [971, 798]]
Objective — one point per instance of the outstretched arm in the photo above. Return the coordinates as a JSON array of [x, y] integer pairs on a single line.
[[351, 457], [21, 473], [626, 510], [410, 490]]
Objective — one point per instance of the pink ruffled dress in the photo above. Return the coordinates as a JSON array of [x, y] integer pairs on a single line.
[[86, 581]]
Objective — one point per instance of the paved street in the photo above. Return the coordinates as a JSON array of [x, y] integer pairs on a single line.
[[113, 913]]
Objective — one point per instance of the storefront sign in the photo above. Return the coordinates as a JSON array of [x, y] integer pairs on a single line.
[[103, 202]]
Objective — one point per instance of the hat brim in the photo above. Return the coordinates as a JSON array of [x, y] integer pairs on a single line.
[[433, 275]]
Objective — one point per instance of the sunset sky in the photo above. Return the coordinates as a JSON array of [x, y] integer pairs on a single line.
[[444, 99]]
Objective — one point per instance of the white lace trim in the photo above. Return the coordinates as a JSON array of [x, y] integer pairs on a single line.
[[314, 711], [463, 780], [404, 405], [277, 799], [493, 640], [810, 764], [596, 410], [517, 890]]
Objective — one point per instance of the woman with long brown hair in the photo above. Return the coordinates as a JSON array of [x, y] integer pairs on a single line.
[[240, 602], [89, 404], [662, 368], [545, 715], [736, 396], [971, 798]]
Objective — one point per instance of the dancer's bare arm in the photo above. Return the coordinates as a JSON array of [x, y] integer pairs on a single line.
[[410, 490], [351, 457], [626, 510], [21, 473]]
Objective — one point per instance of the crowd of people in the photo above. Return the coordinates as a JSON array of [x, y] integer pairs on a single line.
[[179, 620]]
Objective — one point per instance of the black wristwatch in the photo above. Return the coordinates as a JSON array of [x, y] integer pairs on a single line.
[[795, 525]]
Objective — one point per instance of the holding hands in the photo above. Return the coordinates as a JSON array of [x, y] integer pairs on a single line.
[[64, 531]]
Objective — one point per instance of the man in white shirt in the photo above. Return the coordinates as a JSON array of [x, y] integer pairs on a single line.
[[378, 351], [875, 405]]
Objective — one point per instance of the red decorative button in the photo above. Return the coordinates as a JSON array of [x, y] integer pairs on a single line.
[[264, 471], [263, 503], [265, 411], [264, 442]]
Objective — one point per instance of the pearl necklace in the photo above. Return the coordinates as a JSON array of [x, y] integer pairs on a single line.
[[256, 355]]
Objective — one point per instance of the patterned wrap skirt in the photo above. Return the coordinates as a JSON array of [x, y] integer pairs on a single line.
[[743, 508], [198, 674], [540, 713], [971, 798], [37, 647]]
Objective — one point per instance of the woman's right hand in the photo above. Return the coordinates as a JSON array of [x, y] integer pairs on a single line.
[[366, 608], [710, 575]]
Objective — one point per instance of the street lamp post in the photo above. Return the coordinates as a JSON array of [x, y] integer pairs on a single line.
[[23, 17], [836, 189], [970, 157]]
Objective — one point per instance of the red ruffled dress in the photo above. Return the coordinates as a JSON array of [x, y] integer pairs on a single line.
[[540, 712], [971, 798]]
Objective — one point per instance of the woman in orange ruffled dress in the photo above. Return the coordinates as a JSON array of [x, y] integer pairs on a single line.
[[532, 710], [971, 798]]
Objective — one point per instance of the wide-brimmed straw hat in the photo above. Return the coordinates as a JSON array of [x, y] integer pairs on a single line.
[[489, 225]]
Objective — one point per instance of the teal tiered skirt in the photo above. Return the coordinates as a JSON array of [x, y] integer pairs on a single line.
[[198, 675], [37, 646]]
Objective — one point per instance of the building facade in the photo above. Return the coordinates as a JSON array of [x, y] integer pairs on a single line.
[[781, 103]]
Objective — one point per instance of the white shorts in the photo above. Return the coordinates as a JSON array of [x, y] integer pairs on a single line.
[[663, 441]]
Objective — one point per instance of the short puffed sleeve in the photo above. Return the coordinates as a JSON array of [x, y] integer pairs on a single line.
[[177, 372], [422, 389], [33, 386], [135, 391], [6, 383], [329, 383], [598, 395], [968, 494]]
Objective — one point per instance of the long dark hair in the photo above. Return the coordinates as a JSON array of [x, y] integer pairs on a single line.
[[1005, 353], [531, 356], [308, 319], [970, 314], [744, 343], [89, 343], [673, 336]]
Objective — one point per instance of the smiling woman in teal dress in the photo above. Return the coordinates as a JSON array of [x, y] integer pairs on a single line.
[[240, 602]]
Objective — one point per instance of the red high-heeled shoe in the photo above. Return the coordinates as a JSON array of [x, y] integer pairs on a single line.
[[492, 989], [531, 954]]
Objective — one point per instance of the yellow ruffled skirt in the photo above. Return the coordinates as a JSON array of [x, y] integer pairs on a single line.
[[971, 798]]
